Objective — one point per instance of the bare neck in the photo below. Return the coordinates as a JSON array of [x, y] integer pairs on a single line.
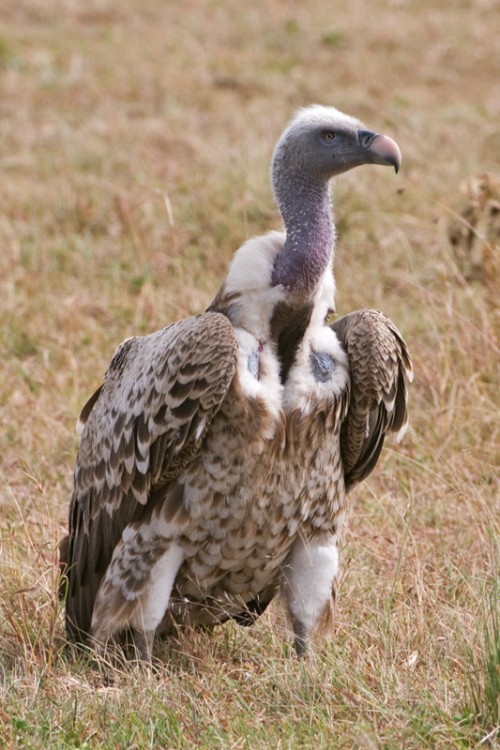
[[310, 234]]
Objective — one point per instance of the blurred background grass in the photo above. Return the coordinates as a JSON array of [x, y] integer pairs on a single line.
[[135, 141]]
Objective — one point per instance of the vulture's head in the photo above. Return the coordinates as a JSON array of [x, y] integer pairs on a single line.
[[321, 142]]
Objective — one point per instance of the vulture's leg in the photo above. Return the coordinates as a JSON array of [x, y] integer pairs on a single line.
[[309, 585], [136, 588], [143, 643], [154, 601]]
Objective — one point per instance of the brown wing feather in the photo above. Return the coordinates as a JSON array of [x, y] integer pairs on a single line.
[[158, 398], [380, 370]]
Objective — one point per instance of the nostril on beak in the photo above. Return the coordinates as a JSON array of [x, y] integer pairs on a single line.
[[365, 137]]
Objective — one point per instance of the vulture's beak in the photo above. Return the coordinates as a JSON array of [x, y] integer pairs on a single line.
[[381, 149]]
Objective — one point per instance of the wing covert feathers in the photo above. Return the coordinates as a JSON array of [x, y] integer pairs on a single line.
[[142, 427], [380, 370]]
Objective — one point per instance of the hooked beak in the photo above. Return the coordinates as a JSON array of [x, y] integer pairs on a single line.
[[380, 149]]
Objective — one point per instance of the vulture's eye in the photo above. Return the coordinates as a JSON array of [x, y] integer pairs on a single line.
[[328, 136]]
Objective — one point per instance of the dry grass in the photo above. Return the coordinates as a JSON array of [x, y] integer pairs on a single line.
[[113, 112]]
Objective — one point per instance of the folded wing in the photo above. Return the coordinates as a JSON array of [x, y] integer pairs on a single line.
[[380, 370], [141, 428]]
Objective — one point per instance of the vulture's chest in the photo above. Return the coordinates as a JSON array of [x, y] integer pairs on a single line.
[[267, 474]]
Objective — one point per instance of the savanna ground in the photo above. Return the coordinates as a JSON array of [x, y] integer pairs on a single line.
[[134, 152]]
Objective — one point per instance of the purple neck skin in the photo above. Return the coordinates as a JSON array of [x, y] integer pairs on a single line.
[[310, 234]]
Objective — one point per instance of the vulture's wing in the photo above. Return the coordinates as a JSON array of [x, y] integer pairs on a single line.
[[141, 428], [380, 370]]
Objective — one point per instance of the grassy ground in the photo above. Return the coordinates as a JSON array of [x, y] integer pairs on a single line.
[[134, 150]]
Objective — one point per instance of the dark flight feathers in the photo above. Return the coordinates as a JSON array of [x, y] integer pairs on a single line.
[[142, 426], [380, 370]]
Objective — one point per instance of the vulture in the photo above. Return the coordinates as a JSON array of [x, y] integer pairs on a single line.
[[216, 457]]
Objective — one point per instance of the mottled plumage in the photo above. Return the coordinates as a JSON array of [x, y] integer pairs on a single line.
[[215, 459]]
